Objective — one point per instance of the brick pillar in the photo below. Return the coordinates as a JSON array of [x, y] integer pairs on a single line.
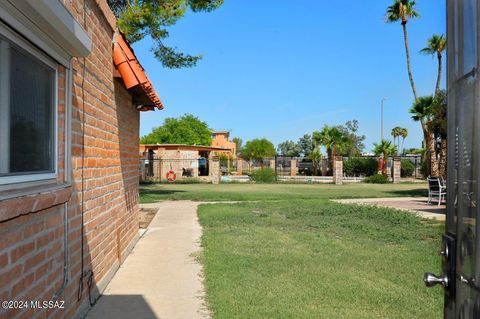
[[397, 166], [293, 167], [272, 163], [338, 170], [239, 166], [215, 170]]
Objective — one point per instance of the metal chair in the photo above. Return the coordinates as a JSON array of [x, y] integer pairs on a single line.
[[436, 187]]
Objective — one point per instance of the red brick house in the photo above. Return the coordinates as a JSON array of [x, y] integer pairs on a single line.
[[70, 94]]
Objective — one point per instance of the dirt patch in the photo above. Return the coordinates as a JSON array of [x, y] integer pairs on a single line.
[[146, 216]]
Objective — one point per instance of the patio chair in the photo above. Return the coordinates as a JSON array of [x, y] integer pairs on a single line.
[[436, 187]]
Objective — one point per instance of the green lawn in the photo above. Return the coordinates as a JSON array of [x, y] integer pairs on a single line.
[[294, 254], [239, 192]]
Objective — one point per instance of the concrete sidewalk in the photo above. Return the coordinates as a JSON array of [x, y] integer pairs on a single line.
[[160, 279], [416, 205]]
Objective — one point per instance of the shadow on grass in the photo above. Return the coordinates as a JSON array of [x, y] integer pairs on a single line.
[[440, 210], [149, 191]]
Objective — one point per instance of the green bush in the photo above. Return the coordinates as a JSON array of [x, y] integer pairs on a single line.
[[263, 175], [407, 168], [423, 167], [377, 179], [358, 166]]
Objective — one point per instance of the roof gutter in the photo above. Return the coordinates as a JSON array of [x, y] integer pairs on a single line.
[[57, 22]]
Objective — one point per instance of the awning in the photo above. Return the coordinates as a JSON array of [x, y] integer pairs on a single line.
[[134, 77]]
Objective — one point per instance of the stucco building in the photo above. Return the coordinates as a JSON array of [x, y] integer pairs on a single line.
[[221, 139]]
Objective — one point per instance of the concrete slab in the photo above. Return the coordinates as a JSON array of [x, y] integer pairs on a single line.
[[161, 278], [416, 205]]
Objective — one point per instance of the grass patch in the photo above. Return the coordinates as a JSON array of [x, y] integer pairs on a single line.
[[247, 192], [318, 259]]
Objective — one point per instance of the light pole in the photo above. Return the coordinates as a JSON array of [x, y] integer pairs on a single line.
[[383, 99]]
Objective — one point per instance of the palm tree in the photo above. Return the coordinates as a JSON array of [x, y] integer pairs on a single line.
[[333, 140], [438, 126], [404, 10], [403, 134], [316, 157], [385, 149], [396, 134], [436, 45], [421, 111]]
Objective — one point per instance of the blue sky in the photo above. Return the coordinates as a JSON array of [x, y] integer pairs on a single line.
[[279, 69]]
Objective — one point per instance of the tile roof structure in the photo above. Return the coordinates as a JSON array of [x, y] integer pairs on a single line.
[[134, 77]]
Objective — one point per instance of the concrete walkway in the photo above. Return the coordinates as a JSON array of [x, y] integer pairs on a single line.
[[416, 205], [160, 279]]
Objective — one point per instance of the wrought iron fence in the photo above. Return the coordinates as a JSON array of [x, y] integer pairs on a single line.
[[411, 166], [198, 169]]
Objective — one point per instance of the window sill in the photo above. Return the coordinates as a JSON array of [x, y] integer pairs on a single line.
[[34, 201]]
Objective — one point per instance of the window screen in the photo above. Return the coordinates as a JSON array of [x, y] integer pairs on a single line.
[[27, 109]]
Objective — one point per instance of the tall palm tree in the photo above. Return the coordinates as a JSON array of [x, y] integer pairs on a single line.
[[436, 45], [385, 149], [403, 134], [438, 126], [396, 131], [421, 111], [403, 11], [333, 140]]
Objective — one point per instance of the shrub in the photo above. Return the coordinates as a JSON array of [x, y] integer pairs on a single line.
[[407, 168], [423, 167], [377, 179], [358, 166], [263, 175]]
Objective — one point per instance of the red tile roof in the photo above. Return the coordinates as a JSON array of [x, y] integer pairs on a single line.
[[134, 77]]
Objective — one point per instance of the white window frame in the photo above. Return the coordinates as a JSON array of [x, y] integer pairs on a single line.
[[18, 40]]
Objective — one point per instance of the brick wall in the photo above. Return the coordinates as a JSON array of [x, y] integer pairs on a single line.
[[105, 128]]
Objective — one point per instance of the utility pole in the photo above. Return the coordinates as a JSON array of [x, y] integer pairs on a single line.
[[383, 99]]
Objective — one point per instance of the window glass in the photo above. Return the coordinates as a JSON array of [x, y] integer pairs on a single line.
[[30, 111], [469, 35]]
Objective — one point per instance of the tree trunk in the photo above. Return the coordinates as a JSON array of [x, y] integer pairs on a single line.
[[431, 155], [403, 141], [407, 52], [330, 160], [442, 163], [439, 75]]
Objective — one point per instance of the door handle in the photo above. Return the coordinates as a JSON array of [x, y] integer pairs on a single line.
[[431, 280]]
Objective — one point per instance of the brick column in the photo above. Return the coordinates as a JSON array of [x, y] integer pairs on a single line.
[[215, 170], [272, 163], [397, 166], [239, 166], [338, 170], [293, 167]]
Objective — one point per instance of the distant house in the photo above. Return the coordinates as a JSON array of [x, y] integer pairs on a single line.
[[71, 90], [184, 160], [221, 139]]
